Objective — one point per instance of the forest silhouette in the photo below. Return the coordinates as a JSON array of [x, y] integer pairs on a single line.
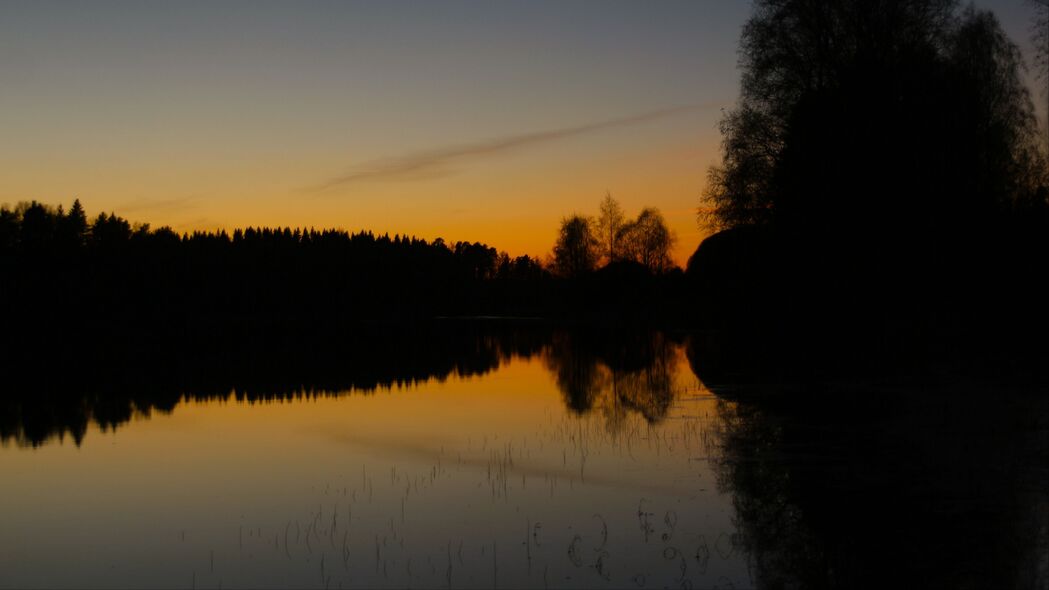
[[109, 266], [68, 274]]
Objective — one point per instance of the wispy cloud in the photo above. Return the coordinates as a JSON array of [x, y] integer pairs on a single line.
[[198, 224], [439, 162], [143, 204]]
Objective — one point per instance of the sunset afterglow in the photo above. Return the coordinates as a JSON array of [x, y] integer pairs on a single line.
[[204, 116]]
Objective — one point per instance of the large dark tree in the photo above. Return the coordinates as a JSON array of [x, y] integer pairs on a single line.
[[577, 249], [874, 118], [882, 185]]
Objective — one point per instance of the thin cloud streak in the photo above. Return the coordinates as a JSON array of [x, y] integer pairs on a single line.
[[142, 204], [437, 163]]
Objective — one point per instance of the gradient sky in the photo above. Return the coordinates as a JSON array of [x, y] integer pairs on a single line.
[[481, 121]]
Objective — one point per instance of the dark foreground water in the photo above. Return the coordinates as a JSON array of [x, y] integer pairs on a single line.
[[561, 462]]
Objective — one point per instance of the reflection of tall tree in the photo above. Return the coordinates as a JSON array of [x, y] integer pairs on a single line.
[[749, 464], [578, 373], [626, 373], [882, 489], [648, 390]]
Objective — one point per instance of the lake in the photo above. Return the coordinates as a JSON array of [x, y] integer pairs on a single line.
[[523, 458]]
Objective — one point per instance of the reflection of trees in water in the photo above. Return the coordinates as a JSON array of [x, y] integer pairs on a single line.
[[43, 398], [868, 488], [618, 375], [749, 465], [54, 397]]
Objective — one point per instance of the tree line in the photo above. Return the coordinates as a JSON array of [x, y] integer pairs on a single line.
[[52, 259], [38, 232]]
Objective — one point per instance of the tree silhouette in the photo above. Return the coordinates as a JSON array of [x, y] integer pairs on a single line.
[[37, 227], [609, 222], [71, 228], [577, 249], [647, 241], [882, 197], [863, 116]]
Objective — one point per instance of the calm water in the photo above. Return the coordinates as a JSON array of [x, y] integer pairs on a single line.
[[551, 464], [462, 481]]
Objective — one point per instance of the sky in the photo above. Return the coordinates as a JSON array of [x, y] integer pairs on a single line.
[[478, 121]]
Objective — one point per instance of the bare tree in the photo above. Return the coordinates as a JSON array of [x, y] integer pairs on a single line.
[[647, 240], [609, 222]]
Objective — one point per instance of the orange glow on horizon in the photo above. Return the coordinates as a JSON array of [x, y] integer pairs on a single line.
[[513, 202]]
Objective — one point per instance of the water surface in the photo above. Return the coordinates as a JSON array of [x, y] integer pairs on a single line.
[[481, 456], [547, 470]]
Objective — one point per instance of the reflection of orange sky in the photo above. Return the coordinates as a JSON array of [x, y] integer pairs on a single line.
[[414, 424]]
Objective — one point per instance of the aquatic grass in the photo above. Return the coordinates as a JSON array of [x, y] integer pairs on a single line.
[[601, 568], [286, 550], [604, 532], [573, 551], [399, 559], [345, 551], [528, 543], [448, 569]]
